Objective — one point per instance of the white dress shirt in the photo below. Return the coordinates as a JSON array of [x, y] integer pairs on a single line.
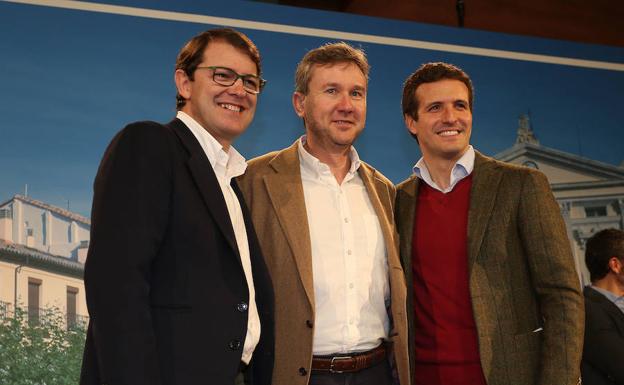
[[227, 165], [349, 260], [462, 168]]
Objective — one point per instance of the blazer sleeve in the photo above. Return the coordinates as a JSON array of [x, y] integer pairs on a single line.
[[604, 344], [556, 284], [129, 217]]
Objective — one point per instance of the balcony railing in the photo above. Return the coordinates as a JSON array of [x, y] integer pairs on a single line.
[[35, 315]]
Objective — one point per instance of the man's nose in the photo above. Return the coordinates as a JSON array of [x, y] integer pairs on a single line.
[[237, 88], [449, 115], [345, 103]]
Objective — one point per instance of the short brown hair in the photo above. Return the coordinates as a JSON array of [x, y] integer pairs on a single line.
[[192, 54], [429, 73], [329, 53], [600, 248]]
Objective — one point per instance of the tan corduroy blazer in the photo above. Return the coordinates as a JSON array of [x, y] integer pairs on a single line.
[[273, 190], [525, 293]]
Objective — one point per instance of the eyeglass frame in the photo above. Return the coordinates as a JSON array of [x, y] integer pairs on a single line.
[[238, 76]]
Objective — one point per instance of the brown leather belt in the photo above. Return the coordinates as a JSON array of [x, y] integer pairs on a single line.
[[349, 363]]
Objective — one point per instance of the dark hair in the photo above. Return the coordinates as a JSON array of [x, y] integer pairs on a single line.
[[329, 53], [192, 54], [429, 73], [600, 248]]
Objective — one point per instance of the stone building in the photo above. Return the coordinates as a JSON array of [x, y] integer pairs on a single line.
[[42, 254], [590, 193]]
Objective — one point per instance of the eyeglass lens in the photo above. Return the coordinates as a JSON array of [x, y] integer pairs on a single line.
[[227, 77]]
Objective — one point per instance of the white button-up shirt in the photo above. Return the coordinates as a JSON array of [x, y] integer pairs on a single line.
[[349, 260], [463, 167], [227, 165]]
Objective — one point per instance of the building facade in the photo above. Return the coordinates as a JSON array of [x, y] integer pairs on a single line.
[[42, 253], [590, 193]]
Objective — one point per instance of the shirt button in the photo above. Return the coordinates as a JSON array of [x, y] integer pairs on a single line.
[[242, 307], [234, 344], [351, 285], [346, 220], [349, 251], [351, 321]]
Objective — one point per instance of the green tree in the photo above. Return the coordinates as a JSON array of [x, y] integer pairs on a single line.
[[42, 352]]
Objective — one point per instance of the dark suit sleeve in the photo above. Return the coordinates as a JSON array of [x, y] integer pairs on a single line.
[[556, 284], [604, 345], [130, 210]]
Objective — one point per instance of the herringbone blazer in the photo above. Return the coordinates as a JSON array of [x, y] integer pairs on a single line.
[[273, 190], [525, 293]]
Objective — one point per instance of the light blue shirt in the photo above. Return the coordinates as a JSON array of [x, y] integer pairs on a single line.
[[618, 301], [462, 168]]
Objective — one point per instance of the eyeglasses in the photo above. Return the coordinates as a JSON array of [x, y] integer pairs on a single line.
[[227, 77]]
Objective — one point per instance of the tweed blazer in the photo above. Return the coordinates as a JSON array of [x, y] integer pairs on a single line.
[[525, 293], [603, 351], [273, 190]]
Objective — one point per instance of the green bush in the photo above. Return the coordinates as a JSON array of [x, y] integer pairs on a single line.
[[44, 352]]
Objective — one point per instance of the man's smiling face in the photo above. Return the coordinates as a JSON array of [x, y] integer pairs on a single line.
[[334, 109], [225, 112], [444, 120]]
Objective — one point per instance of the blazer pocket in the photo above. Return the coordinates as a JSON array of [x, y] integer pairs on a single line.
[[171, 308], [528, 342]]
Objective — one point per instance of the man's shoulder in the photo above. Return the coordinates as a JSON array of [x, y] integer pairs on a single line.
[[145, 130], [508, 169], [406, 183], [593, 296], [376, 173], [262, 161], [285, 158]]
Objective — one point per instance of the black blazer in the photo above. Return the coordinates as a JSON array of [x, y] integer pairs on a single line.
[[603, 352], [165, 287]]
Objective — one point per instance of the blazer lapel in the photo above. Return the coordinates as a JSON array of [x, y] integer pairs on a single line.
[[486, 178], [206, 181], [406, 208], [285, 191], [382, 204]]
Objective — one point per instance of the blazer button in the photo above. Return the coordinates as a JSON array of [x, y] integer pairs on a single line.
[[242, 307], [234, 344], [303, 372], [309, 324]]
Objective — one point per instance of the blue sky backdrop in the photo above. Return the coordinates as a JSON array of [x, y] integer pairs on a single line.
[[71, 79]]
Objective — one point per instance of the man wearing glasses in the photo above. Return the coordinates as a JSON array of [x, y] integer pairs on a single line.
[[176, 286], [325, 224]]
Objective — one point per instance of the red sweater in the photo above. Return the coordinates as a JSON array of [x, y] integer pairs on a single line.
[[447, 350]]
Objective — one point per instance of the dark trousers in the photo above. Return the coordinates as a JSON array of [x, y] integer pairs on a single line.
[[379, 374]]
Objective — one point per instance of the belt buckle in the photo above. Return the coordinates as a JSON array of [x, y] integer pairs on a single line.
[[331, 364]]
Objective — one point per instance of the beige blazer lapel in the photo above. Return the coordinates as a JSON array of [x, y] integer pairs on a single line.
[[286, 194], [382, 201], [486, 178]]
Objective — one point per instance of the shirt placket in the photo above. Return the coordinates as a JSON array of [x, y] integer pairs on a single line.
[[350, 268]]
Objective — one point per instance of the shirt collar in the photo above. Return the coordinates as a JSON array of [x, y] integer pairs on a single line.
[[462, 168], [618, 301], [315, 166], [228, 164]]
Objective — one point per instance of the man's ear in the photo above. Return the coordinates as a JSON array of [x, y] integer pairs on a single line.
[[616, 265], [183, 83], [298, 100], [410, 123]]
